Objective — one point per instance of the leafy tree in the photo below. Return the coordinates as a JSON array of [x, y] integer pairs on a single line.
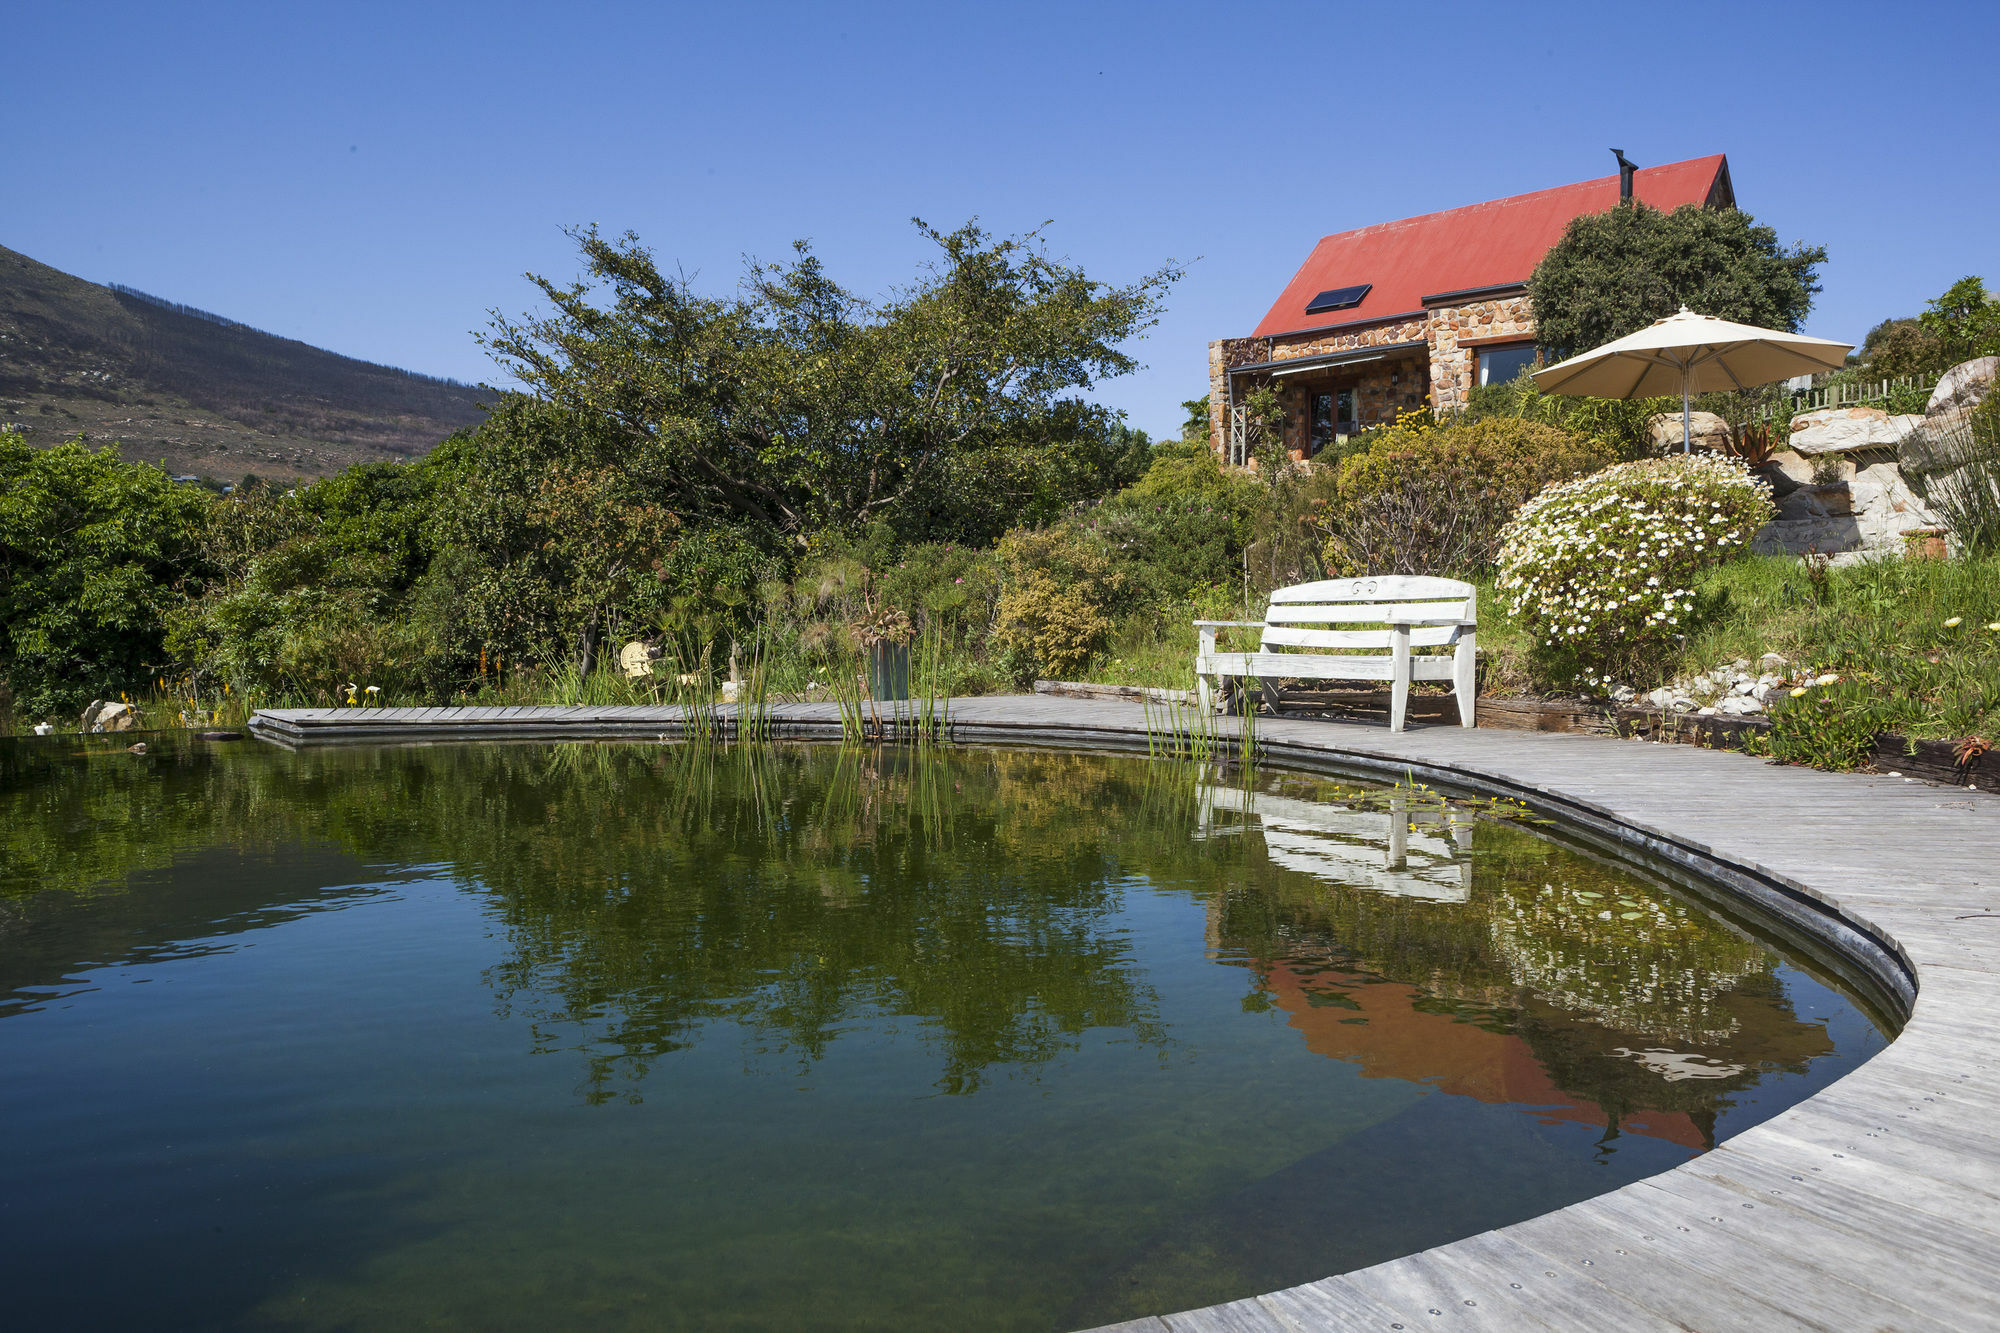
[[1615, 272], [1129, 452], [546, 539], [1902, 347], [1965, 321], [952, 409], [1195, 426], [95, 554]]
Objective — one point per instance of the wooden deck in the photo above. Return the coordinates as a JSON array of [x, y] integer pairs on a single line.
[[1872, 1206]]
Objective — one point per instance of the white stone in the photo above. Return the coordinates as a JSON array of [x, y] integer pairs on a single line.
[[1661, 697], [1738, 706], [731, 691], [45, 729], [1772, 662], [1744, 686], [1840, 430], [109, 715], [1884, 505], [1964, 386]]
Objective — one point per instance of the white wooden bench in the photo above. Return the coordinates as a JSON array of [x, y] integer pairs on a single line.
[[1383, 621]]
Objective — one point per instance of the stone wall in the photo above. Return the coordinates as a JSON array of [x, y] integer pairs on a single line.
[[1223, 355], [1456, 332], [1442, 379]]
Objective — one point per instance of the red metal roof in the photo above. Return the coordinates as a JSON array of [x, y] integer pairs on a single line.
[[1481, 245]]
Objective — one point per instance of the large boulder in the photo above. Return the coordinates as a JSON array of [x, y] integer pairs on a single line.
[[1964, 386], [1709, 430], [111, 715], [1843, 430], [1885, 506]]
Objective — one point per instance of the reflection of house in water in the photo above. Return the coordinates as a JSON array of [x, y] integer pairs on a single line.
[[1369, 849], [1387, 1036], [1386, 951]]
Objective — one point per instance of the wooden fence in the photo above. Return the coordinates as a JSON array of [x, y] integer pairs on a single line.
[[1864, 394]]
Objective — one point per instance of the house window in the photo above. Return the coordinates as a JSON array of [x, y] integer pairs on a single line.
[[1331, 419], [1497, 365]]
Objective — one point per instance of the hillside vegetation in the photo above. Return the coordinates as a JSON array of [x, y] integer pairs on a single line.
[[204, 395]]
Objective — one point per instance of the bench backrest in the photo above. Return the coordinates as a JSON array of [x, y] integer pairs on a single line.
[[1305, 615]]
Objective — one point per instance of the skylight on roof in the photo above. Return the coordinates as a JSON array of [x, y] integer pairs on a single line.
[[1340, 298]]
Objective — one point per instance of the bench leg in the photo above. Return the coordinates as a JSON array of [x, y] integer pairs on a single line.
[[1270, 693], [1463, 682], [1399, 675], [1204, 697]]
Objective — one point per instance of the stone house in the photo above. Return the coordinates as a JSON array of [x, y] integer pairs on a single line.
[[1414, 313]]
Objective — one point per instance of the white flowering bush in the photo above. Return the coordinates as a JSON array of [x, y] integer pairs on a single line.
[[1602, 569]]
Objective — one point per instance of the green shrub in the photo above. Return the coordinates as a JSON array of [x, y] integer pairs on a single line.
[[95, 555], [317, 588], [1432, 500], [946, 585], [1601, 570], [1181, 527], [1831, 728], [1620, 424], [1059, 597]]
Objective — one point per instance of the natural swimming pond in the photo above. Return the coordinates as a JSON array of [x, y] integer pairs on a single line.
[[635, 1036]]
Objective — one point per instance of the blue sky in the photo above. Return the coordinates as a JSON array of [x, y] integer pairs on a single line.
[[374, 179]]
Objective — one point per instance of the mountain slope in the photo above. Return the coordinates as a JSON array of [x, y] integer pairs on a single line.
[[206, 395]]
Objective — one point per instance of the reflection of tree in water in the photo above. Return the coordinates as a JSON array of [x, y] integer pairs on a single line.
[[646, 894], [1628, 997]]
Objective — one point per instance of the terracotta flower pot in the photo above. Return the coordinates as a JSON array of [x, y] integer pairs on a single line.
[[1924, 544]]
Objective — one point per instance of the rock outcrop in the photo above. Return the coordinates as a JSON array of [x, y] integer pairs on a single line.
[[109, 715], [1964, 386], [1840, 487], [1846, 430]]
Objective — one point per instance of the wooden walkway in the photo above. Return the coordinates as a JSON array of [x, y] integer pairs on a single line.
[[1874, 1205]]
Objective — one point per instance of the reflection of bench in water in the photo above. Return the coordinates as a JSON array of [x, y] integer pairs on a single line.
[[1369, 849]]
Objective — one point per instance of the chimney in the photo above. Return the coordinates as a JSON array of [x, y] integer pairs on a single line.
[[1625, 170]]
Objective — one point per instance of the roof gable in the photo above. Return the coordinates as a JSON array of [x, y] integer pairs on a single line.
[[1493, 244]]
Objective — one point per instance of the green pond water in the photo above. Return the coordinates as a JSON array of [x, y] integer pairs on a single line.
[[603, 1036]]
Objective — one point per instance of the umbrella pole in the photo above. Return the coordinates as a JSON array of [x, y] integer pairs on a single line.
[[1687, 417]]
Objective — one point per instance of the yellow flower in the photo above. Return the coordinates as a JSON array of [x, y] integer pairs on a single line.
[[1995, 627], [1799, 693], [1954, 622]]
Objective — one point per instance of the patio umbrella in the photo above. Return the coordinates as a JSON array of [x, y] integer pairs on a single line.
[[1692, 353]]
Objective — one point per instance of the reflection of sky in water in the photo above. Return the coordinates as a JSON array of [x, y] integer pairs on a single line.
[[521, 1036]]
